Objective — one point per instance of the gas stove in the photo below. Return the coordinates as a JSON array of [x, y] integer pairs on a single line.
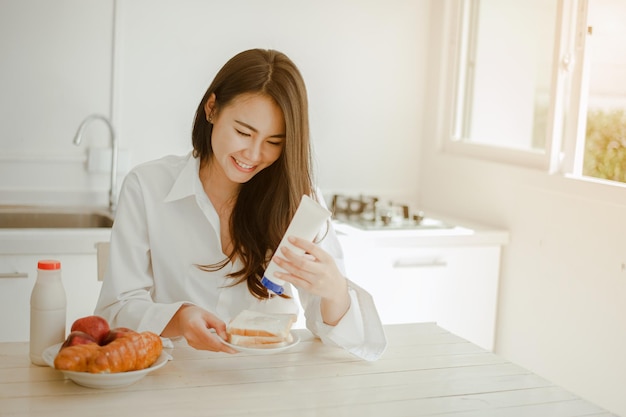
[[369, 213]]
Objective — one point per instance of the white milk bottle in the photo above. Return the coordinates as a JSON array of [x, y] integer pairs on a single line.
[[48, 306]]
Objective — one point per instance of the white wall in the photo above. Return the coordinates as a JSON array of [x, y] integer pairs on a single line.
[[56, 69], [360, 60], [563, 281], [363, 62]]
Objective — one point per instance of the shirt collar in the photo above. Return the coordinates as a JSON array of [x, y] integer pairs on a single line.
[[187, 181]]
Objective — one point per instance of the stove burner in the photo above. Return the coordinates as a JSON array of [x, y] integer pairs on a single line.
[[351, 206], [365, 212]]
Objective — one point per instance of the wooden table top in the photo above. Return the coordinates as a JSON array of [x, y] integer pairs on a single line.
[[425, 371]]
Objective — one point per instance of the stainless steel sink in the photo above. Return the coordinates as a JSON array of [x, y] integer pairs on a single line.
[[39, 217]]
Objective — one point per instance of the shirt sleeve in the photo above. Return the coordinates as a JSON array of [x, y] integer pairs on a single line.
[[125, 298], [360, 330]]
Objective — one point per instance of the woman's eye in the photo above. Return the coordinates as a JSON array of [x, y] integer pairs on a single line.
[[239, 132]]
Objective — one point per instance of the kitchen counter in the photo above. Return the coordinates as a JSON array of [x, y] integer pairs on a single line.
[[461, 233], [52, 241], [20, 251], [426, 370], [446, 271]]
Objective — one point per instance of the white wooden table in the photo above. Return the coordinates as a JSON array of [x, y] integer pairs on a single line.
[[425, 371]]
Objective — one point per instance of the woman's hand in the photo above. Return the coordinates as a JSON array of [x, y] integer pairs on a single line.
[[195, 325], [317, 273]]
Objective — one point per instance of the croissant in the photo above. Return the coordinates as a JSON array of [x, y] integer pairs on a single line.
[[131, 352]]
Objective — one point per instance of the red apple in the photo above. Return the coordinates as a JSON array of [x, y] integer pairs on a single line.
[[95, 326], [114, 334], [78, 338]]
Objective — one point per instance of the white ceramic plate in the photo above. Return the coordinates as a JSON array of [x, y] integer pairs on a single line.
[[265, 351], [113, 380]]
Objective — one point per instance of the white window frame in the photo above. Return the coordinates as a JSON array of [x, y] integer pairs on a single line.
[[574, 134], [459, 15], [565, 136]]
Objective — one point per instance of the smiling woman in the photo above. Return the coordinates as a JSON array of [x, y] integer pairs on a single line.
[[194, 234]]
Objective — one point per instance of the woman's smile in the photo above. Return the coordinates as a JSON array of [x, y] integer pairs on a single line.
[[245, 167]]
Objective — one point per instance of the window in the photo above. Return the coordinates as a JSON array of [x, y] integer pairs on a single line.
[[540, 83], [601, 148]]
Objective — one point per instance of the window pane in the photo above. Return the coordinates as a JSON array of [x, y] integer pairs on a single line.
[[506, 70], [605, 52]]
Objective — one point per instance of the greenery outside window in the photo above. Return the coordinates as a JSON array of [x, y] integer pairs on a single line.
[[600, 149]]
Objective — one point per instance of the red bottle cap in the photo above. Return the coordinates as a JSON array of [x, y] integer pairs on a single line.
[[49, 264]]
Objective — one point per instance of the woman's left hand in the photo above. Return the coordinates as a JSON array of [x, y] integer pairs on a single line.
[[316, 272]]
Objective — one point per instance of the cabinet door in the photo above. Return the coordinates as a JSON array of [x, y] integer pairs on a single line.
[[403, 281], [406, 286], [457, 287], [469, 293], [17, 278]]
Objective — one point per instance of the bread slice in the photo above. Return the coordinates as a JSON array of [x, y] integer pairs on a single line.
[[259, 342], [253, 329]]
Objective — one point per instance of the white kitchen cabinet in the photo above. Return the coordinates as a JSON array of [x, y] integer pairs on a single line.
[[21, 249], [469, 293], [452, 284], [402, 281], [79, 279]]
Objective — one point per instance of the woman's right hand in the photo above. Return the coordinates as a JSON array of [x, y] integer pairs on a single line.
[[196, 324]]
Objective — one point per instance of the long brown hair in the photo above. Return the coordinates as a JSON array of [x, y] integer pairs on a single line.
[[266, 203]]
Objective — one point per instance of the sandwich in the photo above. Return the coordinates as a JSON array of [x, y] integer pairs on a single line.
[[253, 329]]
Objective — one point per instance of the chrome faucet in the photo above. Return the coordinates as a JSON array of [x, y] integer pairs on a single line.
[[79, 137]]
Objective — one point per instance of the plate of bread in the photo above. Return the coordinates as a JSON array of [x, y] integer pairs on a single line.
[[104, 380], [95, 356], [257, 332]]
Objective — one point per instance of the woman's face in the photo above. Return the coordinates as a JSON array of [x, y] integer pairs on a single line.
[[248, 135]]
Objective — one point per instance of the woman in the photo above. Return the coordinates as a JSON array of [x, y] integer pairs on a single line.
[[193, 234]]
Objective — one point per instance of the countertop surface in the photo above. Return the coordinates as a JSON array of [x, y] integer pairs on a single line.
[[457, 233], [15, 241], [52, 241], [425, 371]]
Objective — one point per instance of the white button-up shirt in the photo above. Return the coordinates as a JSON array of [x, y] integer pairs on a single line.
[[165, 226]]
